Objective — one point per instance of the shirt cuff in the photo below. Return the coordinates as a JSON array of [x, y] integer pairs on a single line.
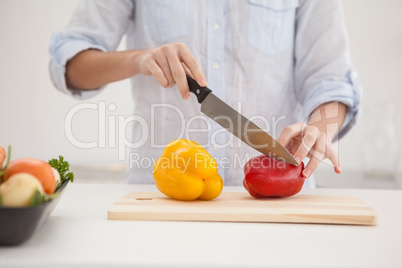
[[61, 51], [348, 93]]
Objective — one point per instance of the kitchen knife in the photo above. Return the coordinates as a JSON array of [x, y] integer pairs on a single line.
[[238, 125]]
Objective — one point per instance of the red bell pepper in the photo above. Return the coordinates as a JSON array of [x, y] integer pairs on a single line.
[[267, 177]]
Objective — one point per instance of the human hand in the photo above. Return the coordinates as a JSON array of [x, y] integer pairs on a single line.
[[169, 64], [306, 140]]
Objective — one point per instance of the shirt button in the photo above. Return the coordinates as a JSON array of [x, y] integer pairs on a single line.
[[215, 66], [216, 26]]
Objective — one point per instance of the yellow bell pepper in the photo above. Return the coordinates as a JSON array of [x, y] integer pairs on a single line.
[[186, 171]]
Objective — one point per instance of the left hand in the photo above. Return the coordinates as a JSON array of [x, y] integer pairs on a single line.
[[306, 140]]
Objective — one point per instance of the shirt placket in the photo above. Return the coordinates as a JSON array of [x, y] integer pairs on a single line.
[[215, 70]]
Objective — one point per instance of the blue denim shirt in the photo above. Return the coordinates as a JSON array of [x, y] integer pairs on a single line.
[[275, 61]]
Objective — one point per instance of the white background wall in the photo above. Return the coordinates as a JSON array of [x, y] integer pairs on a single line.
[[32, 112]]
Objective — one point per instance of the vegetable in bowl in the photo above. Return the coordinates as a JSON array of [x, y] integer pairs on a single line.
[[26, 205], [29, 181], [63, 168]]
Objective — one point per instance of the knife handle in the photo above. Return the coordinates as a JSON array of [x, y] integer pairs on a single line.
[[200, 92]]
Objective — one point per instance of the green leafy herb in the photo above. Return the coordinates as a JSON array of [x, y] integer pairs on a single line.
[[3, 171], [40, 198], [62, 167], [37, 199]]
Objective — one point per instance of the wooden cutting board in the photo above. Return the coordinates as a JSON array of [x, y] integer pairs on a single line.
[[241, 207]]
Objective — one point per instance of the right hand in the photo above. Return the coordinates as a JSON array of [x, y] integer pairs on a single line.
[[169, 64]]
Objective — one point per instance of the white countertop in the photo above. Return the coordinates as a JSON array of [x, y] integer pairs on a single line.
[[78, 234]]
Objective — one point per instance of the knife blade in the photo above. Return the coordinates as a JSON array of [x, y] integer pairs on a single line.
[[238, 125]]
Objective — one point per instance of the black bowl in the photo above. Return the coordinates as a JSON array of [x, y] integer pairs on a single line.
[[17, 224]]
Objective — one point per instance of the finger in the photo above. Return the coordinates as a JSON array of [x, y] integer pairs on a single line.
[[179, 75], [334, 158], [310, 135], [289, 132], [192, 64], [317, 155], [157, 72], [162, 61], [187, 70], [293, 145]]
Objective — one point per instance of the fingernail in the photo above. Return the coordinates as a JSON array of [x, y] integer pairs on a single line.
[[307, 173], [203, 82], [188, 96], [298, 160]]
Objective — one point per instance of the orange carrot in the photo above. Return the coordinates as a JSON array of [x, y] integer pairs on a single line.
[[2, 156]]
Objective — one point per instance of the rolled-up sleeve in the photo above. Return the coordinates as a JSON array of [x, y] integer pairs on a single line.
[[323, 69], [95, 24]]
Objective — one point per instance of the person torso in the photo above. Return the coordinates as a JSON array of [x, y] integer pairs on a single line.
[[245, 49]]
